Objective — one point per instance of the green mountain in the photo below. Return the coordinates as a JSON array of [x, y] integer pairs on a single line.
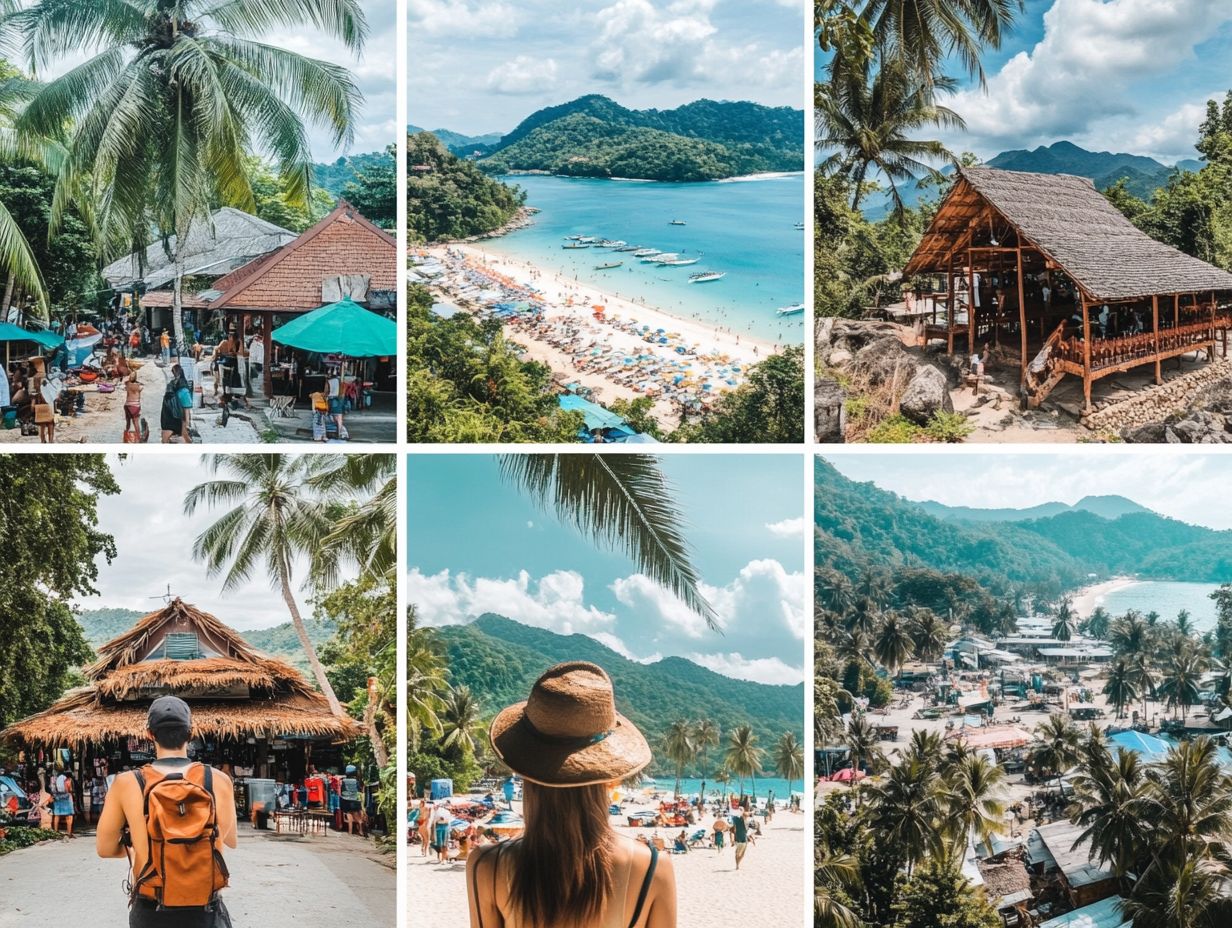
[[859, 525], [448, 198], [101, 625], [500, 659], [335, 175], [456, 141], [1109, 507], [593, 136]]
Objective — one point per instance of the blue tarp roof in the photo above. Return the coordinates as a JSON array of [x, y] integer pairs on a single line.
[[15, 333], [1150, 747], [594, 415]]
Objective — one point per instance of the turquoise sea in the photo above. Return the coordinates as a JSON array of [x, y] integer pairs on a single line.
[[1167, 598], [690, 785], [745, 228]]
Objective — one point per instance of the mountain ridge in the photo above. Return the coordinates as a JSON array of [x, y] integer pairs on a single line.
[[1107, 506]]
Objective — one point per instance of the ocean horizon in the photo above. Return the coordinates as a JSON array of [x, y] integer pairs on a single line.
[[745, 229]]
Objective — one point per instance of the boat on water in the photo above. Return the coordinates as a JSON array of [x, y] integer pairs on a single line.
[[608, 265], [615, 245], [799, 227], [573, 246], [633, 248], [658, 258], [705, 277], [572, 238], [645, 252], [677, 222], [790, 310], [587, 239], [678, 262]]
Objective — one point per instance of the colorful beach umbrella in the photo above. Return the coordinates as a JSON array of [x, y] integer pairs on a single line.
[[344, 328]]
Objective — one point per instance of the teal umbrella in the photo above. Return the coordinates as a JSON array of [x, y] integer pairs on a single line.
[[344, 328], [15, 333]]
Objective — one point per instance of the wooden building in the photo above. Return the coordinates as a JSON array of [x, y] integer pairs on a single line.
[[1044, 263], [253, 715]]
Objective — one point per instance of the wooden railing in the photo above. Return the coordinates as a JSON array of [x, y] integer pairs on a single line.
[[1130, 349]]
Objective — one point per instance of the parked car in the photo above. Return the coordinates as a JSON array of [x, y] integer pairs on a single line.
[[15, 805]]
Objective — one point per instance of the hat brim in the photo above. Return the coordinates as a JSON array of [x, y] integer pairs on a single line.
[[549, 763]]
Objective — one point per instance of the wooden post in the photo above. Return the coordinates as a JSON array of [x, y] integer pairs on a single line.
[[949, 307], [1155, 329], [1086, 356], [970, 302], [1176, 310], [1022, 320], [267, 324]]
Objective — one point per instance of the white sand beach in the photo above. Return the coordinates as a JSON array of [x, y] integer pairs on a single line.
[[616, 347], [770, 881], [1094, 595]]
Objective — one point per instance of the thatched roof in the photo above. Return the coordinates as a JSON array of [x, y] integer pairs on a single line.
[[1074, 226], [129, 672], [1007, 882]]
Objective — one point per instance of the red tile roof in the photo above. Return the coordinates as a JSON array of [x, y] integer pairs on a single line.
[[289, 279]]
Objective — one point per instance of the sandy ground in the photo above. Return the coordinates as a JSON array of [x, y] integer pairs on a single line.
[[1091, 596], [570, 300], [769, 887], [276, 882], [102, 422]]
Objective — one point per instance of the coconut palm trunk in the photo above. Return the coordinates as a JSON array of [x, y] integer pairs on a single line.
[[301, 630]]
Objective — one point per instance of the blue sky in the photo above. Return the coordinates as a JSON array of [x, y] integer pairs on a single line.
[[479, 66], [476, 544], [1110, 75], [1181, 486]]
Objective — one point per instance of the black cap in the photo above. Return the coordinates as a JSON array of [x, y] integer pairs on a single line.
[[167, 711]]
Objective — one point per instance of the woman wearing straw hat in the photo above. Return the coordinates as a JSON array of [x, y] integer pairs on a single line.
[[570, 869]]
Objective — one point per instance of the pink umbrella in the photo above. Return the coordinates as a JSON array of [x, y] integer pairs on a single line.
[[847, 774]]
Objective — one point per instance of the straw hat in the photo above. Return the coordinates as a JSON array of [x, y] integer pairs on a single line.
[[568, 733]]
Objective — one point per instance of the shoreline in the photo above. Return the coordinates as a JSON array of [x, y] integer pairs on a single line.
[[624, 350], [1094, 594], [735, 178]]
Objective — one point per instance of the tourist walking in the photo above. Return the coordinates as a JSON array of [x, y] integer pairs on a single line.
[[164, 342], [570, 867], [132, 409], [441, 820], [171, 416], [425, 827], [352, 809], [172, 819], [62, 802], [740, 835]]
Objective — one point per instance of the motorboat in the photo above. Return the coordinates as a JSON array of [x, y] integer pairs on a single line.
[[790, 310], [705, 277]]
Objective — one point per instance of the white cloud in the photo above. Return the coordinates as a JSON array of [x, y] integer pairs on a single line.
[[1083, 69], [555, 601], [643, 596], [490, 19], [1172, 139], [523, 75], [759, 670], [617, 645], [787, 528]]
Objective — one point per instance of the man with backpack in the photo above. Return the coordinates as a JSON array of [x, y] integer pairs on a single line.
[[172, 819]]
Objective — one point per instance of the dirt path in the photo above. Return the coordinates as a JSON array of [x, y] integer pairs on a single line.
[[276, 882]]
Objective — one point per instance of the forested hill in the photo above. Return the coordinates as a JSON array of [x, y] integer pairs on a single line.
[[1110, 507], [500, 659], [860, 526], [335, 175], [593, 136], [448, 198], [101, 625]]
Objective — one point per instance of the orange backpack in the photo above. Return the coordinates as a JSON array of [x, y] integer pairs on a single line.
[[184, 867]]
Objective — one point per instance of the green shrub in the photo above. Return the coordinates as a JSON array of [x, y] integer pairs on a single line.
[[17, 838], [895, 430], [949, 427]]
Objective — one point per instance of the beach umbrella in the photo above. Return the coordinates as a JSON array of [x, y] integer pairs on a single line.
[[344, 328]]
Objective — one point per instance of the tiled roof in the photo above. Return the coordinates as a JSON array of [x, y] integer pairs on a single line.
[[343, 243]]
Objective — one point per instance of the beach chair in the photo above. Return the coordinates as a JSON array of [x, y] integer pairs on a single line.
[[699, 838]]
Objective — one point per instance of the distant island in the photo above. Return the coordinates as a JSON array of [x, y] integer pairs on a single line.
[[1142, 175], [593, 136], [499, 659], [449, 198]]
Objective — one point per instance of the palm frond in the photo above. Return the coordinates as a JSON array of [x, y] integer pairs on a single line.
[[340, 19]]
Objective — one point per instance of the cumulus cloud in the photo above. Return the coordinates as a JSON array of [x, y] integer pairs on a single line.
[[523, 75], [759, 670], [617, 645], [1083, 69], [489, 19], [787, 528], [555, 601]]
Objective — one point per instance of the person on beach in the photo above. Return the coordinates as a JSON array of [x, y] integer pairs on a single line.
[[171, 416], [740, 835], [720, 831], [570, 869], [172, 885], [132, 408], [425, 827], [62, 802], [164, 342], [441, 819]]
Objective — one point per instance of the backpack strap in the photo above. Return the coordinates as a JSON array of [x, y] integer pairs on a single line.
[[645, 890]]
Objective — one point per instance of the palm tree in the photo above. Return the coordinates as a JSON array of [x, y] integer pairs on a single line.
[[789, 758], [928, 633], [275, 519], [974, 788], [1064, 620], [172, 97], [425, 681], [1192, 893], [834, 590], [679, 748], [906, 812], [1184, 623], [16, 256], [365, 532], [620, 501], [743, 756], [1121, 688], [705, 736], [1098, 622], [1182, 680], [461, 720], [893, 643], [1058, 747], [866, 120], [832, 873], [923, 33], [862, 748], [1107, 799]]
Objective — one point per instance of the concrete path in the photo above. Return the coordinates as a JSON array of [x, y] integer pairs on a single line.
[[276, 882]]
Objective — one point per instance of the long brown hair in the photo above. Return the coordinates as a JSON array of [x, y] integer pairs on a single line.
[[563, 872]]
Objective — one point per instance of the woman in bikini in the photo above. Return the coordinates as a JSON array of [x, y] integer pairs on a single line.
[[570, 868], [132, 405]]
